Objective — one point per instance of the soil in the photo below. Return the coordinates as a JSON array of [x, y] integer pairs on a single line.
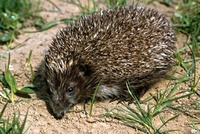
[[40, 118]]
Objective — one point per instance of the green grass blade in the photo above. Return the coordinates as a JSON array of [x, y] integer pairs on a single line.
[[29, 58], [54, 5], [25, 90], [93, 98], [165, 122], [2, 131], [3, 110], [24, 122], [3, 81], [195, 126], [49, 25]]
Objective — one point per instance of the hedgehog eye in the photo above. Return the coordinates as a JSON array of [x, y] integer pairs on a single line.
[[70, 89]]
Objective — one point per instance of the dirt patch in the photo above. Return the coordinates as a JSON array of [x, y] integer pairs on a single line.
[[78, 120]]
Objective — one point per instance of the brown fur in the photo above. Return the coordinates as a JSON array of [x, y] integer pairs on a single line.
[[112, 46]]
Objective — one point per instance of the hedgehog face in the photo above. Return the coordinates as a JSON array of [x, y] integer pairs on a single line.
[[65, 88], [63, 97]]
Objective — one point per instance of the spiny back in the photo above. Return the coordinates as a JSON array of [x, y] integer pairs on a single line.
[[116, 42]]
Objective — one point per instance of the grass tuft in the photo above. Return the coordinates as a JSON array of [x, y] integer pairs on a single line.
[[13, 126], [142, 118], [10, 87], [187, 20], [15, 14]]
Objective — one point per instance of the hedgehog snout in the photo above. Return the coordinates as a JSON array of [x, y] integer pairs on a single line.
[[60, 107]]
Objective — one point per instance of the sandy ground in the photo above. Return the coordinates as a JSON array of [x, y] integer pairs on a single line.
[[78, 120]]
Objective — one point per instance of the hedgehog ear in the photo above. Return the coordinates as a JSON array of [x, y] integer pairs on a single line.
[[85, 69]]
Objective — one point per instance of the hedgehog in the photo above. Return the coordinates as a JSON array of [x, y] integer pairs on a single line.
[[109, 48]]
